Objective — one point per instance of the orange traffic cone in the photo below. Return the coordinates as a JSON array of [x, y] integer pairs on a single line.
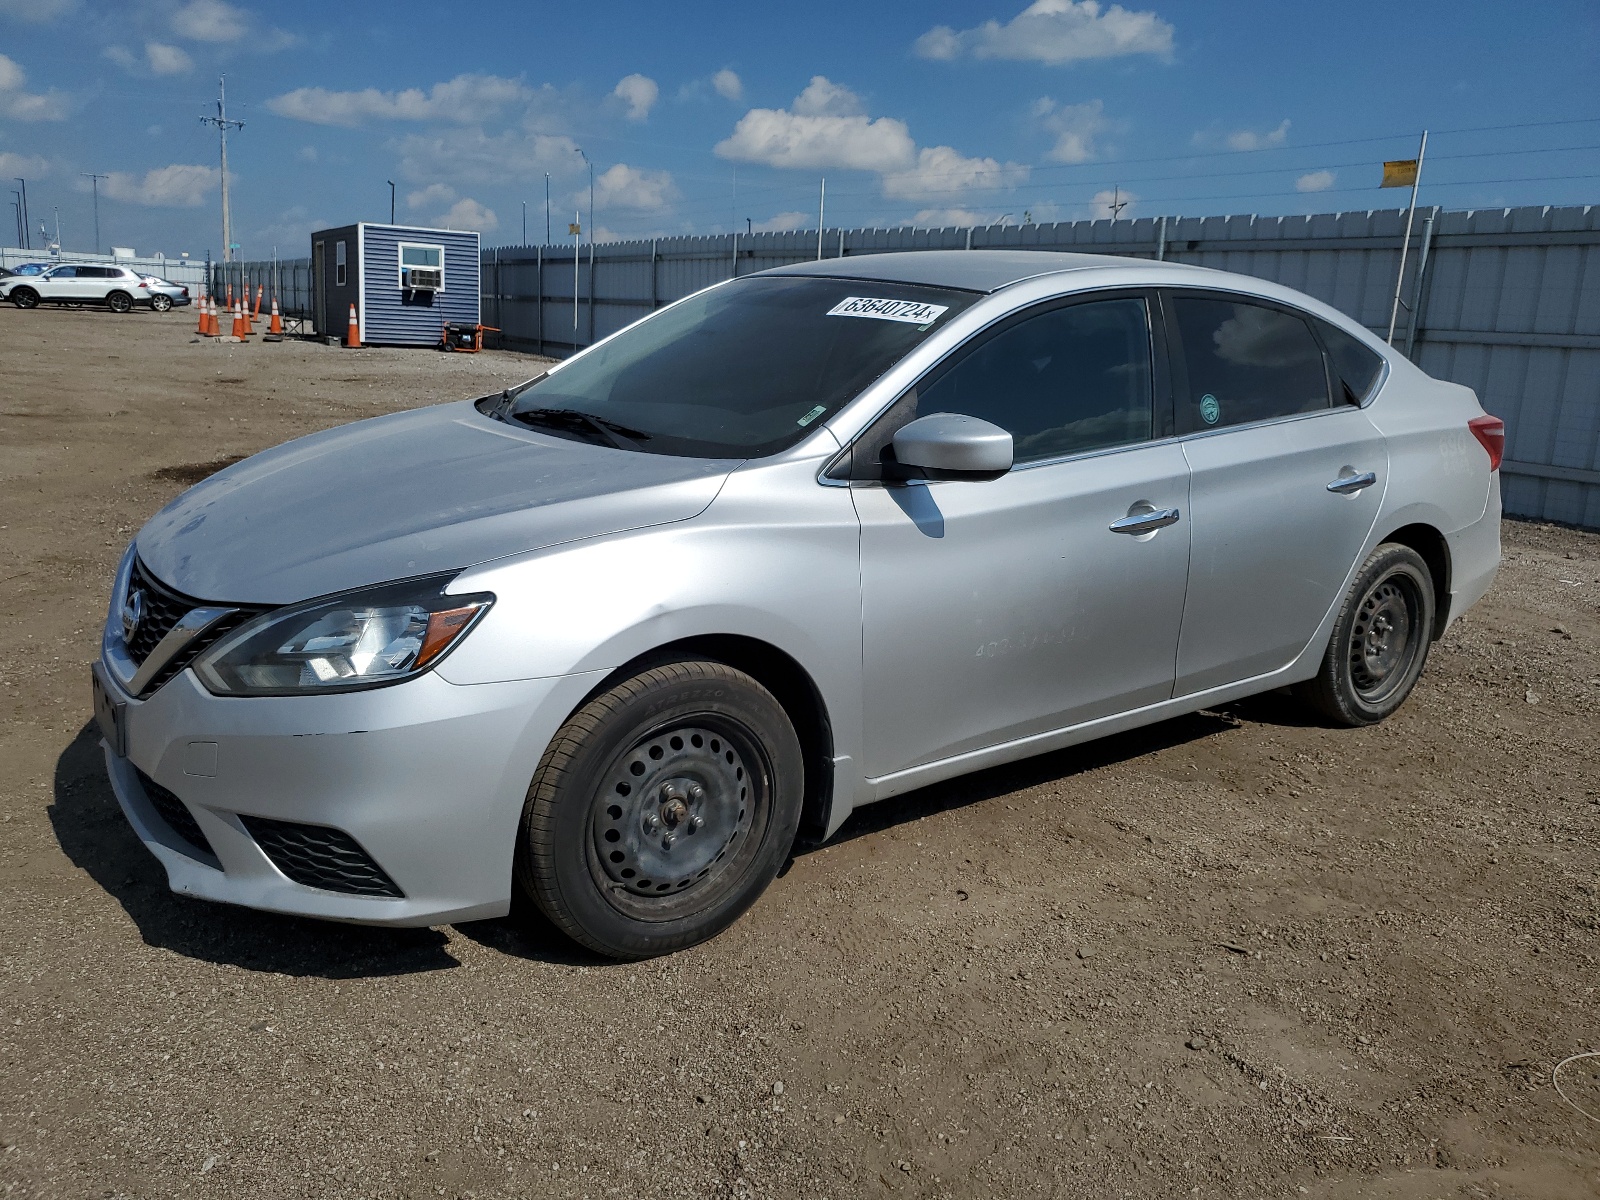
[[352, 337], [276, 324], [213, 322], [200, 312], [255, 317], [241, 325]]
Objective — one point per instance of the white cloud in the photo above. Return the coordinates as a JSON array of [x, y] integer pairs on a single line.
[[182, 185], [1315, 181], [27, 106], [1075, 127], [432, 196], [1249, 139], [467, 213], [639, 93], [307, 154], [167, 60], [210, 21], [622, 186], [944, 171], [728, 85], [823, 128], [1055, 32], [784, 222], [464, 99], [478, 157], [27, 165], [1100, 207], [37, 12]]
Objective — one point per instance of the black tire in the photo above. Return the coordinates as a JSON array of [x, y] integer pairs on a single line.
[[160, 301], [1380, 640], [119, 302], [692, 757], [24, 297]]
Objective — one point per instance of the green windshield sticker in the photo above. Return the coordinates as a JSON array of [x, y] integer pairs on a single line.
[[1210, 410], [812, 415]]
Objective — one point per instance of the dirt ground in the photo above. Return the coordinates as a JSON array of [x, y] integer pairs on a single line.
[[1236, 954]]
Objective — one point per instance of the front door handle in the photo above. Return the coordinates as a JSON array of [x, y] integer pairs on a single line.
[[1348, 485], [1146, 522]]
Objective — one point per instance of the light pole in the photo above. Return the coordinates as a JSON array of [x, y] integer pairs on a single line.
[[547, 208], [524, 222], [94, 182], [17, 204], [27, 233], [390, 182]]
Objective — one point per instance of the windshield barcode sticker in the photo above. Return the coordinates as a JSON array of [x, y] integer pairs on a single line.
[[912, 312]]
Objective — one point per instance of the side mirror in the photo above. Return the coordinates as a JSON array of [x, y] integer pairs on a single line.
[[954, 446]]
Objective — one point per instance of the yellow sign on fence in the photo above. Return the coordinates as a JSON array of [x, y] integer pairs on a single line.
[[1401, 173]]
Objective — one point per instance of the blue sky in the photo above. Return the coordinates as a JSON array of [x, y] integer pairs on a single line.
[[699, 117]]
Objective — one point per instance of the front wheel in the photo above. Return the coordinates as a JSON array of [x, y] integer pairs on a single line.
[[25, 297], [119, 302], [160, 301], [1380, 640], [662, 809]]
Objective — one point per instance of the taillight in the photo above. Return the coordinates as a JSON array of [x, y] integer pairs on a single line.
[[1491, 433]]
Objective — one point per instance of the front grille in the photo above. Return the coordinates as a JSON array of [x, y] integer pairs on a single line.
[[176, 814], [320, 856], [164, 608]]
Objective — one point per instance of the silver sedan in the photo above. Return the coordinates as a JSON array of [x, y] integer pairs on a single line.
[[799, 542]]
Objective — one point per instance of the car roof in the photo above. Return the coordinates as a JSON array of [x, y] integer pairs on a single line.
[[974, 270]]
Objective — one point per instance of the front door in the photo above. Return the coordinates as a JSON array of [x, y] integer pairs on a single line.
[[1271, 543], [994, 610]]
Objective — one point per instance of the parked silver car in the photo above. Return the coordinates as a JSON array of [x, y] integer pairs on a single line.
[[164, 294], [799, 542], [118, 288]]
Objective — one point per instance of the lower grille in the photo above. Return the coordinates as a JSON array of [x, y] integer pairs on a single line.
[[320, 856], [176, 814]]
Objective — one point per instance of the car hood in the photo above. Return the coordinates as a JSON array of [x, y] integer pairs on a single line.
[[428, 490]]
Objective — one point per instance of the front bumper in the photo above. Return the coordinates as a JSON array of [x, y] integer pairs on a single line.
[[428, 778]]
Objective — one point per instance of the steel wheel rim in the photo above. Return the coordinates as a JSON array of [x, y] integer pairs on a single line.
[[677, 814], [1384, 639]]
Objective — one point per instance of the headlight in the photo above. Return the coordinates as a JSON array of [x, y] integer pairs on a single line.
[[341, 643]]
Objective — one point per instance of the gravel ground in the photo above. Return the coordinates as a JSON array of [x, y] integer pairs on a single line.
[[1236, 954]]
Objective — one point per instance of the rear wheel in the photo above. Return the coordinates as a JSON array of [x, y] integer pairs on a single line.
[[1380, 640], [160, 301], [662, 810], [24, 297], [119, 302]]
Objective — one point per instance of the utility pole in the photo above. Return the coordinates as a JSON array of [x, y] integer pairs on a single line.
[[223, 125], [547, 208], [822, 208], [390, 182], [1117, 203], [94, 182], [524, 222], [27, 232]]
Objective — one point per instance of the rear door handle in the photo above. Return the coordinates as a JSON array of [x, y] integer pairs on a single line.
[[1347, 485], [1146, 522]]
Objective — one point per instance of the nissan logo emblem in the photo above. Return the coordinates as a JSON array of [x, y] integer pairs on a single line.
[[132, 614]]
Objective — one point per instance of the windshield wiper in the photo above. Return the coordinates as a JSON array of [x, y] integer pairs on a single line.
[[621, 436]]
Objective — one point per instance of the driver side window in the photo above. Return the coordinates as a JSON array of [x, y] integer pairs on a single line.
[[1064, 381]]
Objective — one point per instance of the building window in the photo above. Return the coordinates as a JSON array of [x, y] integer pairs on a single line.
[[421, 267], [338, 264]]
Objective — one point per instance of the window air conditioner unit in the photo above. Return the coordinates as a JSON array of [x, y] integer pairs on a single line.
[[422, 279]]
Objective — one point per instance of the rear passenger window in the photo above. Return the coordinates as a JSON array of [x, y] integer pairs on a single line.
[[1355, 367], [1244, 362], [1068, 380]]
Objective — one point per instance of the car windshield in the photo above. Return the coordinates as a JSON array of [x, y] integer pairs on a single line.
[[738, 371]]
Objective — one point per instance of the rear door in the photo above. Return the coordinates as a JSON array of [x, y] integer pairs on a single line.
[[997, 609], [1285, 485]]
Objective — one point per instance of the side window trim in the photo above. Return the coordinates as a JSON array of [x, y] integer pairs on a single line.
[[1335, 382], [1180, 370], [848, 465]]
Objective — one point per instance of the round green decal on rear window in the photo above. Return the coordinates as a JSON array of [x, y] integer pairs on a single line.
[[1210, 410]]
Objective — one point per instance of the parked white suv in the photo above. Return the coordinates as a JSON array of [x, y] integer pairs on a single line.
[[118, 288]]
